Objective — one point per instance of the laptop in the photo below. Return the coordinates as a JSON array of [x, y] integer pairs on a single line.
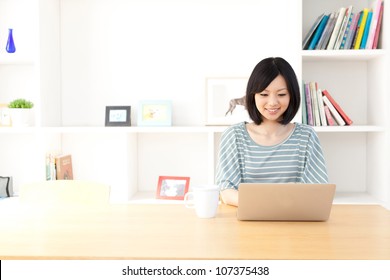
[[285, 202]]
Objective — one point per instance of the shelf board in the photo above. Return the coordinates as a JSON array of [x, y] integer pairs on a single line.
[[12, 59], [17, 130], [350, 128], [171, 129], [137, 129], [355, 198], [339, 55]]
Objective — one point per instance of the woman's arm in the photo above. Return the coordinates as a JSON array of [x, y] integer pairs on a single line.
[[315, 167], [230, 197]]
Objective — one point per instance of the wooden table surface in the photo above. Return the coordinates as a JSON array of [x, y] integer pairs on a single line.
[[164, 231]]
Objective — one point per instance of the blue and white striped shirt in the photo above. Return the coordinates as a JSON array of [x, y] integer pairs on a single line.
[[298, 159]]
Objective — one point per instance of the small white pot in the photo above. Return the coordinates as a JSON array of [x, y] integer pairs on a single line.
[[21, 117]]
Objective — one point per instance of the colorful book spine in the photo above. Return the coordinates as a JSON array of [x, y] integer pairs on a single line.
[[336, 29], [309, 35], [303, 104], [330, 120], [329, 30], [347, 31], [308, 105], [318, 33], [338, 107], [325, 32], [377, 31], [359, 24], [352, 31], [374, 23], [321, 108], [361, 29], [343, 27], [366, 31], [332, 109]]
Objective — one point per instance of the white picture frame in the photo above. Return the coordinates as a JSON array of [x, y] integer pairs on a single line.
[[155, 113], [219, 93]]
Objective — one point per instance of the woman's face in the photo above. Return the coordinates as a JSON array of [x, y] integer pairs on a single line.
[[273, 101]]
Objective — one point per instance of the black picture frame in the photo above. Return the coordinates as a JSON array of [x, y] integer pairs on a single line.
[[118, 116]]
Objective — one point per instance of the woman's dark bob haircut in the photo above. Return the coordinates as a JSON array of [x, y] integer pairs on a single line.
[[263, 74]]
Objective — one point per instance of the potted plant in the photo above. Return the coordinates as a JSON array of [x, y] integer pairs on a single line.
[[21, 112]]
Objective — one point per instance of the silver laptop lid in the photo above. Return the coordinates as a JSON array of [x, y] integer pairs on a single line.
[[285, 202]]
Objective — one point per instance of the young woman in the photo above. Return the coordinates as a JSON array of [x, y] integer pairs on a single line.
[[271, 149]]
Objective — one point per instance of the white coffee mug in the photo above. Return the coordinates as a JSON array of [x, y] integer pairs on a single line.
[[204, 199]]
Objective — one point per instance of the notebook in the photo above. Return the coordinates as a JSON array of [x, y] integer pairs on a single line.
[[285, 202]]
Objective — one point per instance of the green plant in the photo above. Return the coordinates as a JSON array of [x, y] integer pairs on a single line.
[[21, 103]]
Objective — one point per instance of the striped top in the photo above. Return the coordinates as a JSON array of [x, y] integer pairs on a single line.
[[298, 159]]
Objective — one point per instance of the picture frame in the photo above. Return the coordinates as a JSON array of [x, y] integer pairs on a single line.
[[172, 187], [155, 113], [224, 98], [118, 116]]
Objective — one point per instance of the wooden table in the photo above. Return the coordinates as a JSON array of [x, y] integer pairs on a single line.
[[134, 231]]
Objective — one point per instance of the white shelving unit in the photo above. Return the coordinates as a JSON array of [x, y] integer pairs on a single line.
[[80, 61], [358, 79]]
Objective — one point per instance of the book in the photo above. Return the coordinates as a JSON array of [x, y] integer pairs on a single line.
[[329, 118], [318, 32], [64, 170], [328, 31], [333, 111], [361, 29], [366, 31], [347, 120], [347, 32], [306, 40], [50, 167], [336, 29], [308, 105], [359, 24], [303, 104], [314, 103], [343, 27], [352, 31], [321, 108], [377, 31], [376, 7], [325, 31]]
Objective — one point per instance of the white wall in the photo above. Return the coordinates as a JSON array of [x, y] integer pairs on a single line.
[[117, 52]]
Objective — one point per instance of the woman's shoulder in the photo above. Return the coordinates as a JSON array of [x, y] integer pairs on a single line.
[[234, 131], [236, 128], [304, 128], [305, 132]]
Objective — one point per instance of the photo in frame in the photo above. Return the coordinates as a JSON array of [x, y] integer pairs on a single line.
[[155, 113], [225, 99], [118, 116], [172, 187]]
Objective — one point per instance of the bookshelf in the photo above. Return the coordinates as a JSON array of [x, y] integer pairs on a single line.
[[131, 158], [356, 154]]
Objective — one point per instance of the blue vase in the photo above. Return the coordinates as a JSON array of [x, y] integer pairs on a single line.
[[10, 43]]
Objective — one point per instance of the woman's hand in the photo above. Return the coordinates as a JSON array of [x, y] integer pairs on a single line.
[[230, 196]]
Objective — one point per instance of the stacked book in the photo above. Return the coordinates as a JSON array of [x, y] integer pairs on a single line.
[[59, 166], [346, 29], [319, 108]]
